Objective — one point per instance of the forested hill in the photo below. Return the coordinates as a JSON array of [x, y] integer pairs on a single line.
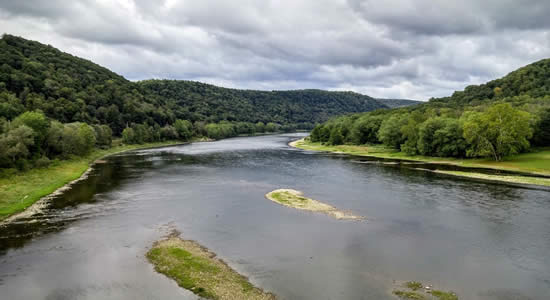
[[499, 118], [66, 88], [532, 80], [208, 102]]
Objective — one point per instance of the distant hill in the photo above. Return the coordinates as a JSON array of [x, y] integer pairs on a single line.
[[69, 89], [394, 103], [205, 101]]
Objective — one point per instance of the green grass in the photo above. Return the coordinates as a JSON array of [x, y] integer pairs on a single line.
[[414, 290], [21, 190], [409, 295], [198, 270], [444, 295], [537, 162], [413, 285], [501, 178]]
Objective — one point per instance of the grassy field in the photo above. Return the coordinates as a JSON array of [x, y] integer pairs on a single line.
[[537, 162], [197, 269], [19, 191], [295, 199]]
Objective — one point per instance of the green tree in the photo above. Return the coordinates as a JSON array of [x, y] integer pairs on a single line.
[[336, 136], [15, 144], [541, 134], [390, 130], [184, 129], [104, 135], [38, 122], [168, 133], [442, 137], [500, 131], [54, 140], [260, 127], [128, 136]]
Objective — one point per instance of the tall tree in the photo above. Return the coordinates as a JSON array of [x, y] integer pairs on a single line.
[[501, 130]]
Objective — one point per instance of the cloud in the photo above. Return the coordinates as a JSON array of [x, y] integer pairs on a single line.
[[395, 48]]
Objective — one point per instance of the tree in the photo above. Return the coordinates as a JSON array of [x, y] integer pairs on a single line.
[[77, 139], [390, 130], [184, 129], [336, 137], [128, 136], [54, 140], [87, 139], [38, 122], [442, 137], [500, 131], [103, 135], [168, 133], [15, 144], [365, 129], [541, 134], [260, 127]]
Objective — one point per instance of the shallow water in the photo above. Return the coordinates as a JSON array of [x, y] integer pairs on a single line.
[[482, 240]]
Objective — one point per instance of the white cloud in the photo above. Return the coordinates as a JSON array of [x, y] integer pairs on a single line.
[[396, 48]]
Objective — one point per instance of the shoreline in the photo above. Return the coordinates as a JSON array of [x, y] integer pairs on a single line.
[[37, 205], [528, 178]]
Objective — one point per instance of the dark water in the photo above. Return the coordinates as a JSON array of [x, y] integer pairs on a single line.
[[482, 240]]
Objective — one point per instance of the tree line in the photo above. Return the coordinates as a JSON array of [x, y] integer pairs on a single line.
[[34, 140], [494, 127]]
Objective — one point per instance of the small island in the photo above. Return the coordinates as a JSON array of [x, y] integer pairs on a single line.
[[414, 290], [198, 270], [295, 199]]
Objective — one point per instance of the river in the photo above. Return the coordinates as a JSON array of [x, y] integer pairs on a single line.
[[482, 240]]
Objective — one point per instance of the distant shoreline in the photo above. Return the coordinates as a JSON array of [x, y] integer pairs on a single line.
[[530, 178]]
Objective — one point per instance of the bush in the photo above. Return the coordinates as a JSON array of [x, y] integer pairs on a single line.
[[42, 162]]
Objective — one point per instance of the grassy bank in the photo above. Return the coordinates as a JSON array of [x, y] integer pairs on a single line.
[[197, 269], [536, 163], [295, 199], [19, 191]]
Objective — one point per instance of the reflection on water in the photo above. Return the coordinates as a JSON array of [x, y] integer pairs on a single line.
[[482, 240]]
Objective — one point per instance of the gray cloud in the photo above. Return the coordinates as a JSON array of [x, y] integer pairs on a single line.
[[395, 48]]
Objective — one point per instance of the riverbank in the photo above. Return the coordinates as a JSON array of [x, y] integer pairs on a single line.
[[533, 164], [23, 189], [198, 270], [296, 199]]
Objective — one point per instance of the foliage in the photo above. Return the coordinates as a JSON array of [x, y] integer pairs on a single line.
[[498, 132], [497, 119], [68, 106]]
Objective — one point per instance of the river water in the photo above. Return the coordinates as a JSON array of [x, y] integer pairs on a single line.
[[482, 240]]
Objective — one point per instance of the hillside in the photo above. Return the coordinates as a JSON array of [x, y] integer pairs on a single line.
[[396, 103], [66, 88], [208, 102], [532, 80], [502, 117]]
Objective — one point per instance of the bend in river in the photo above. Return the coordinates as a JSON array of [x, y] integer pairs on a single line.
[[479, 239]]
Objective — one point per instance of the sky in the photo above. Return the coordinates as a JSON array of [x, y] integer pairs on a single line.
[[415, 49]]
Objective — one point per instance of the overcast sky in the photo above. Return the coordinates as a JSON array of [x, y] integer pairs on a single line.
[[393, 48]]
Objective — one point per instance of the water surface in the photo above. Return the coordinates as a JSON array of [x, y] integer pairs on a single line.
[[482, 240]]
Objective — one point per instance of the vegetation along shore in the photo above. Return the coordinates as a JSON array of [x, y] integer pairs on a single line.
[[536, 164], [23, 188]]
